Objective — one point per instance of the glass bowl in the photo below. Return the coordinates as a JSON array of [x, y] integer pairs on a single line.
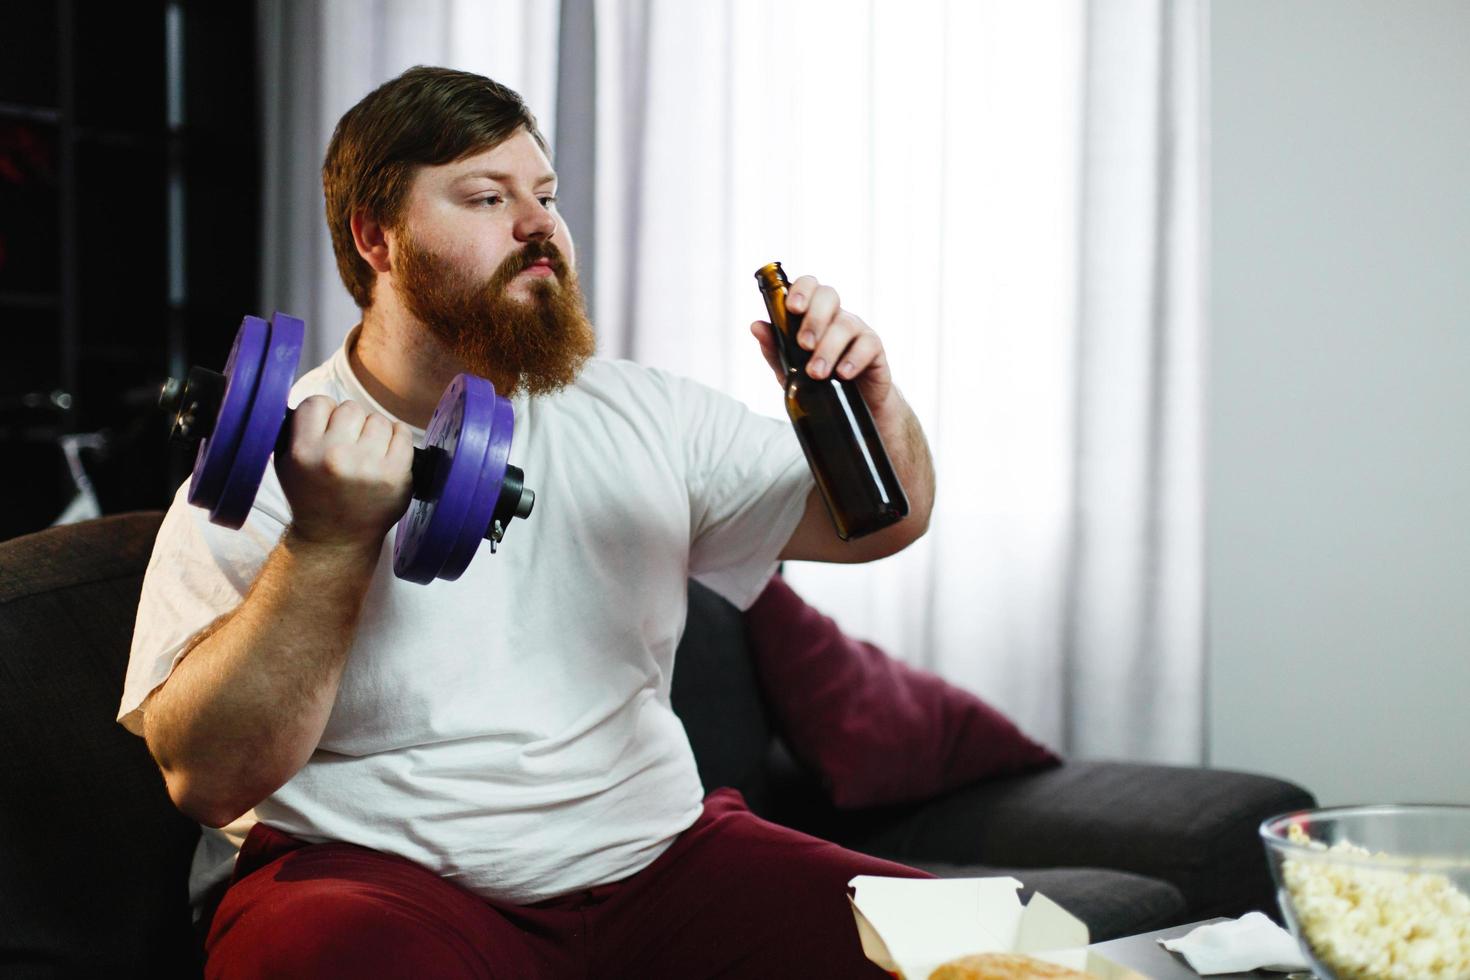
[[1380, 892]]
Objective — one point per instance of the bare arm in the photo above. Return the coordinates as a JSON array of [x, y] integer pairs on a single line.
[[843, 345], [246, 707], [815, 539]]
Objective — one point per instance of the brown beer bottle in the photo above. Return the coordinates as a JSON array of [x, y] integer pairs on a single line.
[[834, 427]]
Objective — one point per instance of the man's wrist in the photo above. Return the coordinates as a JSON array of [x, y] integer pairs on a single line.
[[890, 411], [304, 545]]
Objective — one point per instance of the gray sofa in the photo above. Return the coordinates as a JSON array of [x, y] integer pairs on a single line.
[[94, 858]]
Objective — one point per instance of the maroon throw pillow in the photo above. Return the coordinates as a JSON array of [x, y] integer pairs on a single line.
[[877, 731]]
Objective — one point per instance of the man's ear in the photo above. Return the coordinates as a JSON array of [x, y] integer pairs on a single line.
[[371, 240]]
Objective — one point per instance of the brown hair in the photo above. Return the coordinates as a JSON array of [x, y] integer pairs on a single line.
[[424, 117]]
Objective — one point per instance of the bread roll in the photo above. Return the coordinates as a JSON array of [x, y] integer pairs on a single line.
[[1004, 966]]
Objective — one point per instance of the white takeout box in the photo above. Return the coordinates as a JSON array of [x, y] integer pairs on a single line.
[[909, 926]]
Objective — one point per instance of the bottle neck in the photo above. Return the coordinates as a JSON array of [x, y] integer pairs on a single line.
[[792, 356]]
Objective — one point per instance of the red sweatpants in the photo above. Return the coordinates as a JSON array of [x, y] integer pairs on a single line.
[[734, 896]]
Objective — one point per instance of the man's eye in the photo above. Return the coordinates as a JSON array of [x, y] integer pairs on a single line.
[[492, 199], [547, 200]]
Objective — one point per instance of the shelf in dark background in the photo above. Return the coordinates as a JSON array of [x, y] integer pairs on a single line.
[[30, 202], [120, 66], [122, 270], [223, 213], [29, 113], [29, 301], [32, 361], [88, 157], [31, 32]]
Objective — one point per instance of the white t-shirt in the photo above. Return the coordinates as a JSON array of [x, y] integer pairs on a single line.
[[511, 731]]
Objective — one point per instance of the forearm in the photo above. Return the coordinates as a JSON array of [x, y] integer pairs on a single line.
[[815, 538], [246, 707], [841, 342], [908, 451]]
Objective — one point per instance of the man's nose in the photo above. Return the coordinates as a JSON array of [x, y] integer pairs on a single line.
[[534, 223]]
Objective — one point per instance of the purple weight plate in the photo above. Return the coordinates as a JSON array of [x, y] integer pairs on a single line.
[[427, 533], [267, 412], [487, 488], [212, 462]]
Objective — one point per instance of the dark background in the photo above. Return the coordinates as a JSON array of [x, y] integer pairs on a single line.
[[129, 235]]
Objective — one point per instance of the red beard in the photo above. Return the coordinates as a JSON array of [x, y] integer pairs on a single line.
[[537, 345]]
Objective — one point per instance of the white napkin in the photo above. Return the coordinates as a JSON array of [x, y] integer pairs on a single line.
[[1251, 942]]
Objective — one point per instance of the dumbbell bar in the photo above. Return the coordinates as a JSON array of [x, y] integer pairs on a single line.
[[464, 490]]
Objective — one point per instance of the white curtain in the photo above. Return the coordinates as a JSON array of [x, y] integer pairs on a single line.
[[1010, 193]]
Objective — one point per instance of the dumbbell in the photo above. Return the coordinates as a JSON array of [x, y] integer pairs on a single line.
[[464, 490]]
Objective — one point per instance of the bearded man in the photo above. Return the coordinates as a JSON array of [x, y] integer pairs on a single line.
[[485, 778]]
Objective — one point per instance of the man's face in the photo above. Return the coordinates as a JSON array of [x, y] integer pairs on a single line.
[[484, 261]]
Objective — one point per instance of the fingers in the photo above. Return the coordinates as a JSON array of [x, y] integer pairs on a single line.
[[822, 312], [839, 341], [831, 344], [310, 419], [322, 427], [347, 473], [376, 436], [863, 355], [819, 305], [345, 426], [400, 446], [800, 293]]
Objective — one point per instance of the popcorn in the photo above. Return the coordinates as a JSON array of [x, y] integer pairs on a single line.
[[1377, 923]]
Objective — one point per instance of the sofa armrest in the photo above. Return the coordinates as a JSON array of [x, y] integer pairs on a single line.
[[1195, 828]]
